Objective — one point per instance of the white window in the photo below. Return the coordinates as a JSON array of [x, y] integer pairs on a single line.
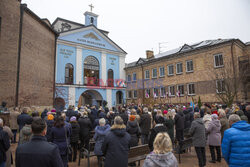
[[134, 76], [162, 71], [163, 91], [147, 74], [179, 68], [135, 94], [171, 69], [180, 90], [129, 78], [171, 91], [191, 90], [154, 73], [129, 94], [147, 93], [189, 66], [218, 60], [220, 86], [156, 92]]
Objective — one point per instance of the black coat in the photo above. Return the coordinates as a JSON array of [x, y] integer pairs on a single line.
[[145, 123], [58, 136], [85, 127], [50, 125], [21, 119], [4, 144], [115, 148], [38, 153], [158, 128], [134, 130], [179, 120], [124, 117], [187, 122], [74, 137]]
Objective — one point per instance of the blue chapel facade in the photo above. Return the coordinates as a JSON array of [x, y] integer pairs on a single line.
[[89, 65]]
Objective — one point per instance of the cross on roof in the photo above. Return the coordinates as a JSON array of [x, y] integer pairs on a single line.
[[91, 7]]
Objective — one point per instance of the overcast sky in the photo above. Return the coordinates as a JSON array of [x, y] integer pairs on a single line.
[[140, 25]]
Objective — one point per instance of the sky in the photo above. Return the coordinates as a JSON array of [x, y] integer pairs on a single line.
[[140, 25]]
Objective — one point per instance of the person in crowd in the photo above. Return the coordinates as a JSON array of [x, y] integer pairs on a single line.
[[3, 107], [8, 152], [74, 137], [85, 128], [124, 116], [162, 155], [214, 138], [26, 133], [116, 145], [44, 113], [35, 114], [4, 144], [70, 112], [50, 124], [38, 152], [197, 131], [207, 118], [223, 121], [228, 112], [67, 124], [134, 112], [247, 113], [179, 120], [145, 125], [59, 136], [159, 127], [100, 132], [13, 123], [100, 115], [242, 115], [236, 142], [169, 123], [21, 119]]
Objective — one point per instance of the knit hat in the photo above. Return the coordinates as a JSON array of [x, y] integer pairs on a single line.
[[214, 116], [165, 112], [49, 112], [53, 110], [132, 117], [50, 117], [72, 119]]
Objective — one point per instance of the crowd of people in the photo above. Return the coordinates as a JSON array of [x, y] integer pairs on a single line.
[[53, 138]]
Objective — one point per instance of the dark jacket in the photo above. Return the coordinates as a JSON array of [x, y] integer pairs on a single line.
[[115, 148], [198, 133], [58, 136], [74, 137], [158, 128], [44, 113], [145, 123], [169, 123], [21, 120], [70, 113], [38, 153], [100, 133], [187, 122], [85, 127], [50, 124], [124, 117], [224, 125], [4, 144], [179, 120], [134, 130]]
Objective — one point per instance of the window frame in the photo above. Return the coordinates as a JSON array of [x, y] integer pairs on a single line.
[[135, 97], [160, 71], [134, 80], [162, 95], [219, 66], [177, 68], [129, 97], [145, 73], [172, 95], [221, 81], [189, 94], [70, 79], [168, 69], [146, 90], [157, 94], [183, 89], [128, 78], [153, 73], [187, 66]]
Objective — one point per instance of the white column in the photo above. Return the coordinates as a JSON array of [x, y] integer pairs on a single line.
[[79, 73], [122, 66], [109, 97], [72, 96], [103, 68]]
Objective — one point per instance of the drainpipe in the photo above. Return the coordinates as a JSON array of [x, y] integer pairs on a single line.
[[54, 79], [234, 72], [143, 91], [22, 7]]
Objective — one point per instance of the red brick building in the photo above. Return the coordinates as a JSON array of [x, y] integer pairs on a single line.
[[27, 56]]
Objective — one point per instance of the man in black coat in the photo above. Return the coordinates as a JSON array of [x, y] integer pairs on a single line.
[[145, 125], [85, 128], [38, 152], [4, 144], [124, 116], [179, 125], [22, 118]]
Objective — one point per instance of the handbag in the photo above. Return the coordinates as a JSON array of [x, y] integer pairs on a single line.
[[69, 148]]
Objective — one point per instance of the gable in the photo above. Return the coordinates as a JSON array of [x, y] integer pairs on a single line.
[[61, 25], [92, 37], [185, 47]]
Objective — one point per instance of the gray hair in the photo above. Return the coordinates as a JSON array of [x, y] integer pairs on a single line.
[[118, 120], [145, 110], [102, 121], [1, 122], [197, 115], [234, 118], [222, 113]]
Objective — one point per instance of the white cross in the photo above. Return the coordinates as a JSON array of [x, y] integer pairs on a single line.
[[91, 7]]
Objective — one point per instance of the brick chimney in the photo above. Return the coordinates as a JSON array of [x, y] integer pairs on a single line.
[[150, 54]]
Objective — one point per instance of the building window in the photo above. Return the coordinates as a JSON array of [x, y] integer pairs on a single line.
[[92, 20], [162, 71], [218, 60], [134, 76], [69, 73], [180, 90], [154, 73], [156, 92], [147, 93], [189, 66], [191, 90], [135, 94], [179, 68], [163, 92], [129, 78], [171, 91], [129, 94], [147, 74], [220, 86], [91, 71], [170, 69], [110, 78]]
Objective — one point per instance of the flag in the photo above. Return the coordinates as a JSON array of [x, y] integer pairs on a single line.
[[146, 94]]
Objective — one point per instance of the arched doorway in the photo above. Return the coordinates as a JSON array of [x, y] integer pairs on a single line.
[[119, 98], [91, 71], [110, 78], [90, 97], [59, 104]]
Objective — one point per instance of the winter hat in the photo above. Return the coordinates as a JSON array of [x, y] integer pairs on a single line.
[[49, 112], [165, 112], [159, 119], [132, 117], [72, 119], [50, 117], [214, 116], [53, 110], [215, 112]]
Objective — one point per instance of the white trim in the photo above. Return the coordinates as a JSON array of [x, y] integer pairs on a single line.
[[215, 62], [161, 92], [177, 86], [219, 80], [168, 69], [160, 71], [172, 95], [153, 73], [146, 75], [177, 68], [121, 68], [130, 78], [187, 66], [128, 94], [109, 97], [103, 68], [72, 96], [134, 94], [79, 66], [188, 89], [133, 76]]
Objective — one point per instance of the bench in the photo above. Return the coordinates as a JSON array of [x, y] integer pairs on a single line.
[[138, 153], [183, 145]]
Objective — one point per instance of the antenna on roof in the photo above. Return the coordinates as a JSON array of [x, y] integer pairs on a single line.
[[162, 45]]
